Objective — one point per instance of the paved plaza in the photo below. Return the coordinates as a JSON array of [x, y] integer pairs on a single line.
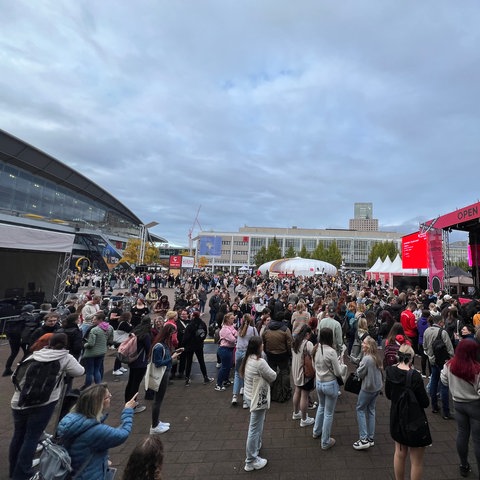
[[207, 435]]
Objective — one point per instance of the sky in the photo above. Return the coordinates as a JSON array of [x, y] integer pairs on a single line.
[[255, 112]]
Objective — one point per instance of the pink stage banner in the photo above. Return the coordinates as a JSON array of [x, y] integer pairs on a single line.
[[435, 260]]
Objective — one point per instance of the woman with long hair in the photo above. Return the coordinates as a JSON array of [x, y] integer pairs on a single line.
[[300, 317], [395, 338], [301, 347], [139, 310], [327, 369], [228, 339], [361, 332], [255, 370], [86, 435], [162, 357], [462, 376], [370, 372], [138, 367], [246, 331], [395, 384], [146, 460]]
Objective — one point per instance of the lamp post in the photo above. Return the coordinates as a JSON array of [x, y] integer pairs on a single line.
[[143, 240]]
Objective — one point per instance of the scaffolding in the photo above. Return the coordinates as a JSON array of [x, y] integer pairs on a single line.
[[63, 270]]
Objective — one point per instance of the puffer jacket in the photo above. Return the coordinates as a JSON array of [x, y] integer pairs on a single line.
[[98, 339], [87, 437]]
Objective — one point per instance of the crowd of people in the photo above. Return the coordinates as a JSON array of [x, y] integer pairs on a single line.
[[291, 339]]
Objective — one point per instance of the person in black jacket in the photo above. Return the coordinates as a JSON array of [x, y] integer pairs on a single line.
[[13, 330], [74, 334], [396, 378], [193, 340], [50, 325]]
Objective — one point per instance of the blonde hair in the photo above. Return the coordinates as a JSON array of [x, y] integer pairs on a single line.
[[171, 314], [372, 350], [90, 401]]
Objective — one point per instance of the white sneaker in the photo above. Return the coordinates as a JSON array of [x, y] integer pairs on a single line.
[[165, 424], [296, 416], [256, 465], [308, 421], [123, 369], [117, 372], [241, 391], [218, 365], [234, 401], [159, 429]]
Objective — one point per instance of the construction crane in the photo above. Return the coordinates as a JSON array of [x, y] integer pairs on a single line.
[[190, 232]]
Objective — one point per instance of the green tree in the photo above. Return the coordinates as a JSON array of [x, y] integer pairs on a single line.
[[304, 253], [273, 251], [319, 252], [290, 253], [382, 250], [261, 257], [333, 255]]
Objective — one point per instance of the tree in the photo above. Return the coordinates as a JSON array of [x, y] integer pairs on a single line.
[[319, 252], [304, 253], [261, 257], [273, 251], [131, 253], [333, 255], [382, 250], [290, 253], [202, 262]]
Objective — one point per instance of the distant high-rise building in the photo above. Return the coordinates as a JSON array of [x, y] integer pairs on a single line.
[[363, 220]]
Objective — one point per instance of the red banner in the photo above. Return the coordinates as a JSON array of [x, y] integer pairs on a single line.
[[175, 261]]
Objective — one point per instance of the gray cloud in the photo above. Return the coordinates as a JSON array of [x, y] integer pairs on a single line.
[[265, 113]]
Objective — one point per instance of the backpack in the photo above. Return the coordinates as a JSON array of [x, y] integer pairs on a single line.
[[41, 378], [390, 354], [408, 422], [128, 350], [55, 462], [345, 326], [440, 350]]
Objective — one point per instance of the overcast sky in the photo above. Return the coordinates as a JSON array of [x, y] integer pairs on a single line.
[[264, 112]]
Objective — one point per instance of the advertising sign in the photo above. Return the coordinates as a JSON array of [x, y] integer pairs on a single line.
[[175, 261], [414, 251], [188, 262]]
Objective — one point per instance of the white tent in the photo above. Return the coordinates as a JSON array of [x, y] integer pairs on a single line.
[[297, 266]]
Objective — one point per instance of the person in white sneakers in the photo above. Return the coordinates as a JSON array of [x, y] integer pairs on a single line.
[[257, 377], [302, 347]]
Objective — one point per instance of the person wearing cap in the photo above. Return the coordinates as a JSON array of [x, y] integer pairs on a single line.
[[13, 330], [330, 322]]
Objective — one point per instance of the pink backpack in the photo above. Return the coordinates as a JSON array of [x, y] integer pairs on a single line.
[[128, 350]]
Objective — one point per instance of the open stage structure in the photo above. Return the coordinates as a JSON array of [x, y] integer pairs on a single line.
[[429, 247]]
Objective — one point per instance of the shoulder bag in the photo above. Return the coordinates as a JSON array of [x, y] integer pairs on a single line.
[[308, 368], [353, 384], [154, 375]]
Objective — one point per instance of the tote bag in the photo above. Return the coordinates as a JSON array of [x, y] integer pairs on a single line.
[[261, 394], [154, 375], [353, 384]]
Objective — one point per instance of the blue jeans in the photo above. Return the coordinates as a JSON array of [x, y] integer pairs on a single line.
[[226, 359], [467, 416], [327, 399], [238, 381], [434, 384], [29, 425], [84, 327], [254, 436], [93, 370], [366, 414]]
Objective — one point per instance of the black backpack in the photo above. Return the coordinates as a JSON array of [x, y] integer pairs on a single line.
[[409, 422], [440, 350], [41, 378]]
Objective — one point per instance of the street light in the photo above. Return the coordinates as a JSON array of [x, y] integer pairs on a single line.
[[143, 239]]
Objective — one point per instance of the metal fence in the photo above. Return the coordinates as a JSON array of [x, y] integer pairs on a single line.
[[3, 323]]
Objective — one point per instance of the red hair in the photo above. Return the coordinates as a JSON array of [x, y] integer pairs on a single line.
[[465, 364]]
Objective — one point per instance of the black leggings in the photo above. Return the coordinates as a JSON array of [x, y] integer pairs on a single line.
[[189, 361], [135, 378], [15, 343], [157, 401]]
